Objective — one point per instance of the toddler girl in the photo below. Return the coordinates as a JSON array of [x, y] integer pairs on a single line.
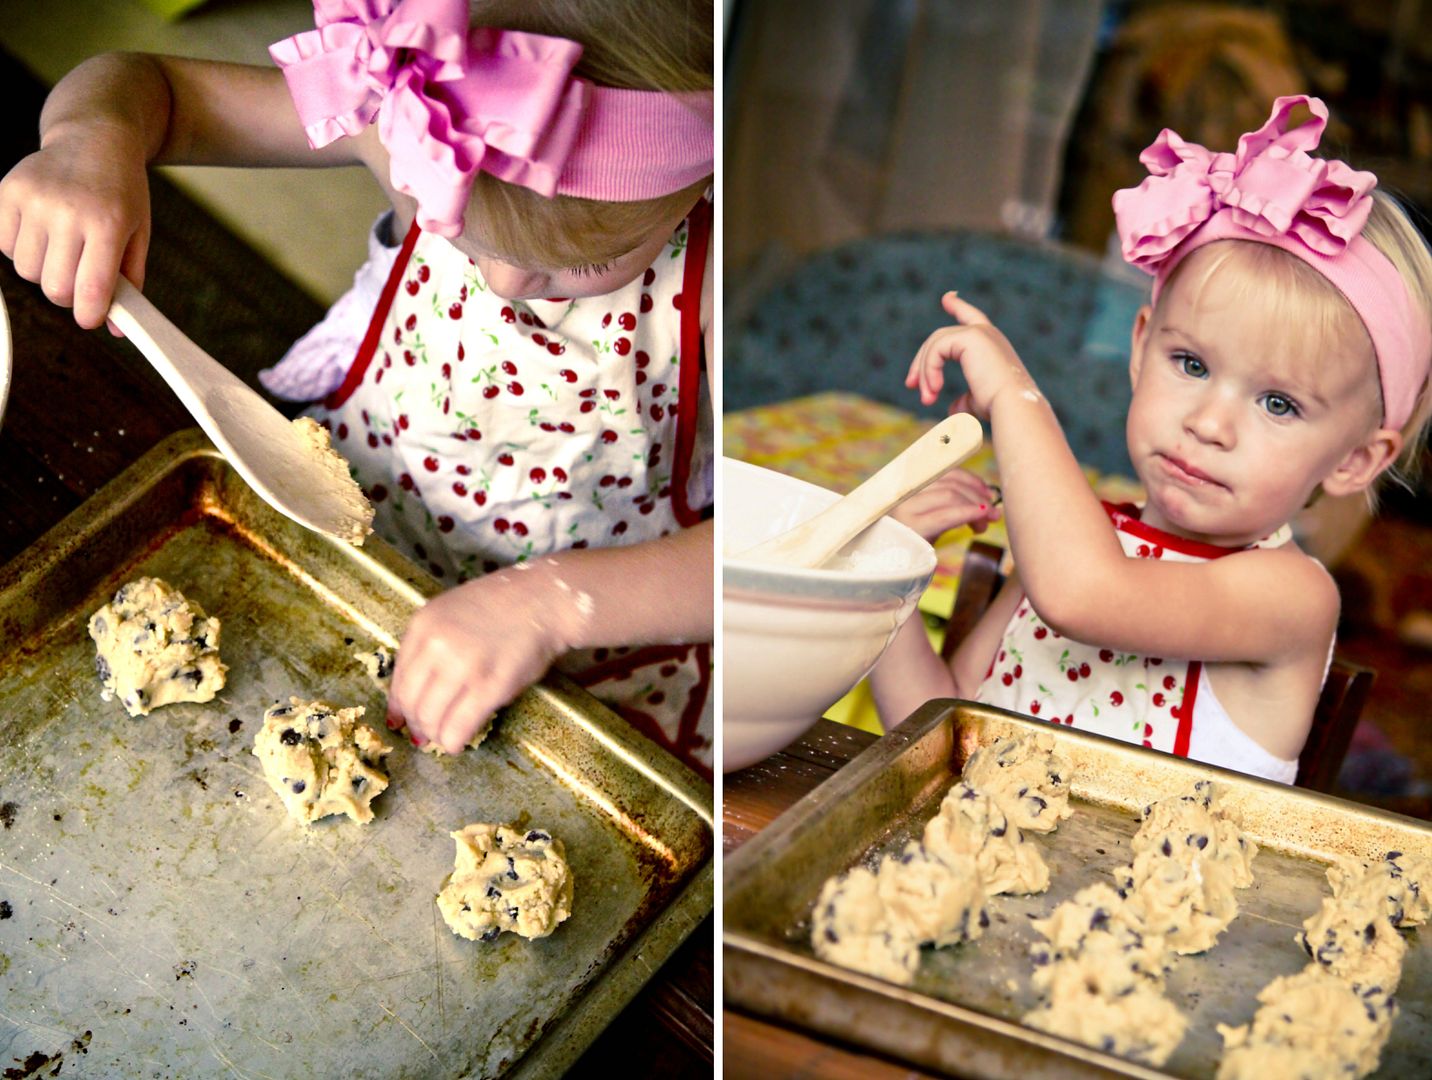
[[516, 375], [1285, 354]]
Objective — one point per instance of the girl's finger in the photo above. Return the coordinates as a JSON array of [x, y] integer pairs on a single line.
[[62, 258], [29, 257], [965, 312], [95, 279]]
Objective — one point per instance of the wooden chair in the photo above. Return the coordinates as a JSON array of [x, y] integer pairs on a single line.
[[1341, 702]]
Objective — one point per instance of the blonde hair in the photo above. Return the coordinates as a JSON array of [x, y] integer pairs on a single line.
[[1307, 300], [629, 44]]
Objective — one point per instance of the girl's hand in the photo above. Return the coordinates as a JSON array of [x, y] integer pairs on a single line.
[[990, 364], [954, 499], [472, 649], [75, 215]]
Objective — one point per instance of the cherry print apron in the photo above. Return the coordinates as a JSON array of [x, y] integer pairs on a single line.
[[487, 432], [1139, 699]]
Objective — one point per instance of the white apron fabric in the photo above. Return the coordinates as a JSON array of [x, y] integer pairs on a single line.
[[1139, 699], [487, 432]]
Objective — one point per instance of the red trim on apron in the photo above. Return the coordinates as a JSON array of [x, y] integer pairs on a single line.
[[1132, 524], [698, 237], [369, 345], [627, 664], [1184, 735]]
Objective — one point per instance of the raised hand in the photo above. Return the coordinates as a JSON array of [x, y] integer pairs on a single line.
[[989, 362]]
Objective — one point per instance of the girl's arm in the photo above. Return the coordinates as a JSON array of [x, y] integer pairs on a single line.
[[474, 648], [75, 214], [1256, 607]]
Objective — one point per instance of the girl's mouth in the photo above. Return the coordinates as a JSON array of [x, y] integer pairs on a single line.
[[1184, 473]]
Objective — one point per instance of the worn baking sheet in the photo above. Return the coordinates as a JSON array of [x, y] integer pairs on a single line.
[[160, 915], [962, 1014]]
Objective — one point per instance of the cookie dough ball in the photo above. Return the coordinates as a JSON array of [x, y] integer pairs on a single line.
[[852, 928], [1193, 826], [358, 512], [1310, 1024], [154, 647], [1141, 1024], [378, 663], [506, 878], [1402, 881], [939, 902], [1026, 777], [970, 823], [1098, 935], [1355, 940], [1188, 905], [321, 761]]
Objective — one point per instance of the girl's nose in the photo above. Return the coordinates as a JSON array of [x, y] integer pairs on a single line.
[[513, 282], [1210, 420]]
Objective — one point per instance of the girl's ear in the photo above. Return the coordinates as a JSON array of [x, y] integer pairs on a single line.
[[1364, 463], [1136, 342]]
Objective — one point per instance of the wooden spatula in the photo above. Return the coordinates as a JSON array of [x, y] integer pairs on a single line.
[[265, 449], [814, 541]]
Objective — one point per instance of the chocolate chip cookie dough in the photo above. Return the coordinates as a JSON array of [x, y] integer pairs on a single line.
[[155, 648], [506, 879], [321, 761], [970, 823], [1310, 1024], [1026, 777], [358, 511], [853, 928]]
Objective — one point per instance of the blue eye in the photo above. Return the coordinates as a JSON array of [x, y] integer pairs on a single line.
[[1279, 405], [1191, 365]]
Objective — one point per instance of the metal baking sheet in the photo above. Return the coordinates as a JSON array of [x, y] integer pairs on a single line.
[[962, 1013], [161, 916]]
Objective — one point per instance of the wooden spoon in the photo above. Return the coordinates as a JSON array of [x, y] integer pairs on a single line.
[[269, 452], [815, 540]]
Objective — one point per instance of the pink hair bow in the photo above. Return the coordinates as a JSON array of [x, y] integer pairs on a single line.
[[1271, 187], [448, 101]]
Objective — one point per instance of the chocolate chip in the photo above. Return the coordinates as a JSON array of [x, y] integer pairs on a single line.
[[492, 935], [1099, 920], [984, 917], [290, 737], [998, 830], [235, 724], [512, 913], [101, 667], [511, 868], [298, 787], [537, 835], [1201, 841], [831, 936], [358, 782], [100, 626], [494, 893], [1041, 802], [1167, 848]]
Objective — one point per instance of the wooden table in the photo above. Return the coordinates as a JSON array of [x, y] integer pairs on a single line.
[[84, 405], [752, 799]]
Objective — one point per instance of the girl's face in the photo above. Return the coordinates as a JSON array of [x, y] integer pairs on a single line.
[[514, 281], [1238, 415]]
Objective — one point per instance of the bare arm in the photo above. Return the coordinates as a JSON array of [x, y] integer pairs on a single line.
[[75, 214], [474, 648]]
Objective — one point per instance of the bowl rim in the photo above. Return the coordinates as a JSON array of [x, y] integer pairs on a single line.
[[6, 357], [760, 577]]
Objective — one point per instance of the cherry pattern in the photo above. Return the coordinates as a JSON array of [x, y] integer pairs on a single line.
[[488, 432], [1140, 699]]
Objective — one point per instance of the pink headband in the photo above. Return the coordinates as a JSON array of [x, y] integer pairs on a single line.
[[1272, 192], [451, 101]]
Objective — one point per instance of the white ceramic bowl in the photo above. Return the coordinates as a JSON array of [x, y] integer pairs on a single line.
[[795, 641], [5, 361]]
